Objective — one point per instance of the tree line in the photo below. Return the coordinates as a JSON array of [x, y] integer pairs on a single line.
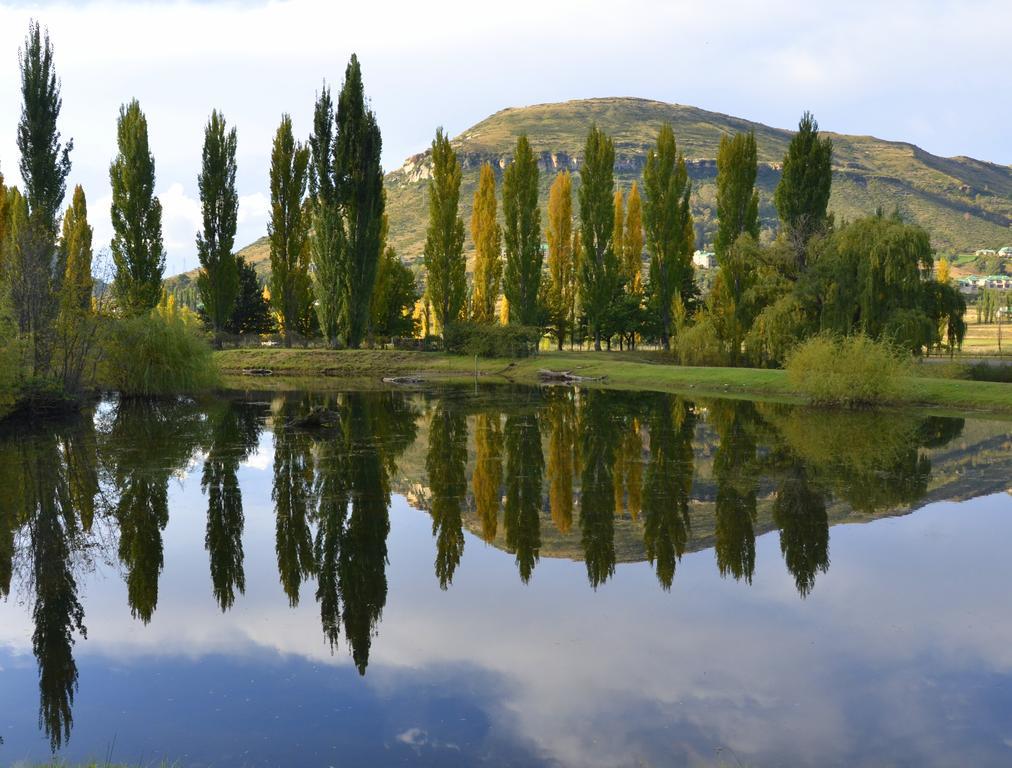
[[620, 267]]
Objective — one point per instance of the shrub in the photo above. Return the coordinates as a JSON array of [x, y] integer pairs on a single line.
[[492, 340], [162, 353], [852, 371], [983, 371], [699, 344]]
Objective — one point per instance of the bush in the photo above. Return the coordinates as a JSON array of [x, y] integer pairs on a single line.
[[163, 353], [492, 340], [999, 372], [852, 371], [699, 344]]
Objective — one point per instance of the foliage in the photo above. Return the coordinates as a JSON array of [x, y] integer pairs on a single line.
[[76, 254], [444, 240], [522, 235], [499, 341], [358, 190], [699, 344], [669, 232], [161, 353], [286, 229], [560, 291], [731, 303], [598, 265], [394, 298], [632, 242], [487, 237], [218, 281], [251, 312], [802, 196], [326, 237], [851, 371], [737, 197], [136, 216]]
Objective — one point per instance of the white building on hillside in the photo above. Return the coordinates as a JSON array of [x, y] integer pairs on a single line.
[[704, 259]]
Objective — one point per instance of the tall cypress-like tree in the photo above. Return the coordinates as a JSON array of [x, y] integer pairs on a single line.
[[444, 238], [669, 232], [802, 196], [737, 197], [35, 269], [358, 184], [287, 228], [218, 281], [618, 231], [599, 268], [522, 235], [326, 241], [487, 237], [76, 254], [561, 293], [632, 242], [136, 216]]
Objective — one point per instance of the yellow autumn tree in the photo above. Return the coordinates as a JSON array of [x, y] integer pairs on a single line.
[[943, 271], [561, 459], [561, 293], [617, 233], [628, 472], [632, 242], [487, 237]]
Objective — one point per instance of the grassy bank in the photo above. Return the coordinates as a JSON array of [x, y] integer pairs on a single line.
[[626, 370]]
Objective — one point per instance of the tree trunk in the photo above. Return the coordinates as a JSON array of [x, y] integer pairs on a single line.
[[597, 341]]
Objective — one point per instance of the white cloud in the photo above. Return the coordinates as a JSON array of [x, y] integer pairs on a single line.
[[254, 207]]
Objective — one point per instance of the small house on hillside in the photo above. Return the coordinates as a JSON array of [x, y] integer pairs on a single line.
[[704, 259]]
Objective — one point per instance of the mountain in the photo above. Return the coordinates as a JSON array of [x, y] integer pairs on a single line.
[[965, 204]]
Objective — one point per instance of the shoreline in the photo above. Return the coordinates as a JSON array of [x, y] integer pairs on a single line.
[[330, 369]]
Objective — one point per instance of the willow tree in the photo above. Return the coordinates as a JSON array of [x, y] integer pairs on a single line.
[[802, 196], [669, 231], [561, 288], [522, 235], [737, 197], [358, 186], [35, 268], [487, 237], [599, 267], [444, 238], [286, 229], [218, 280], [136, 247]]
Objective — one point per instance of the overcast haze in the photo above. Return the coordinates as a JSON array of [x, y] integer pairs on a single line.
[[932, 73]]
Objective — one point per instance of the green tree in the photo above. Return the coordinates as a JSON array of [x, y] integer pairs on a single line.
[[525, 466], [445, 464], [394, 298], [632, 242], [599, 266], [444, 238], [487, 237], [218, 281], [287, 228], [251, 312], [358, 186], [560, 294], [802, 195], [76, 253], [737, 197], [36, 270], [137, 248], [598, 437], [669, 232], [522, 235]]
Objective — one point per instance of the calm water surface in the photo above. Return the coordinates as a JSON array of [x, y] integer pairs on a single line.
[[507, 577]]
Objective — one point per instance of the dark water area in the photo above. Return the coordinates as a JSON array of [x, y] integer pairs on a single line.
[[506, 576]]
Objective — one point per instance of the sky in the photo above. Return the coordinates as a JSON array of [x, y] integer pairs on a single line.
[[932, 73]]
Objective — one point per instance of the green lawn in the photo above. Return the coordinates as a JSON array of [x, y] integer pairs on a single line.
[[621, 370]]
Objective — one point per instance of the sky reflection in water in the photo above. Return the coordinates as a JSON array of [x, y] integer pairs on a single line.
[[246, 602]]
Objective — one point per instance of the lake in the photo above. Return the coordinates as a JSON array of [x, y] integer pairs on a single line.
[[504, 576]]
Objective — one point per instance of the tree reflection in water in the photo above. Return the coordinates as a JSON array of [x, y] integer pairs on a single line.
[[73, 489]]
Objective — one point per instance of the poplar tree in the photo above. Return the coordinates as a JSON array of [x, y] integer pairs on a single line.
[[802, 196], [35, 269], [737, 197], [669, 232], [137, 250], [599, 268], [561, 289], [487, 237], [218, 281], [444, 238], [522, 235], [632, 242], [76, 253], [286, 229], [358, 185], [617, 235], [326, 240]]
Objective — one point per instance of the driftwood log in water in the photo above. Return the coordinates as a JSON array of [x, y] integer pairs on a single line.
[[317, 418], [403, 380], [257, 372], [564, 377]]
